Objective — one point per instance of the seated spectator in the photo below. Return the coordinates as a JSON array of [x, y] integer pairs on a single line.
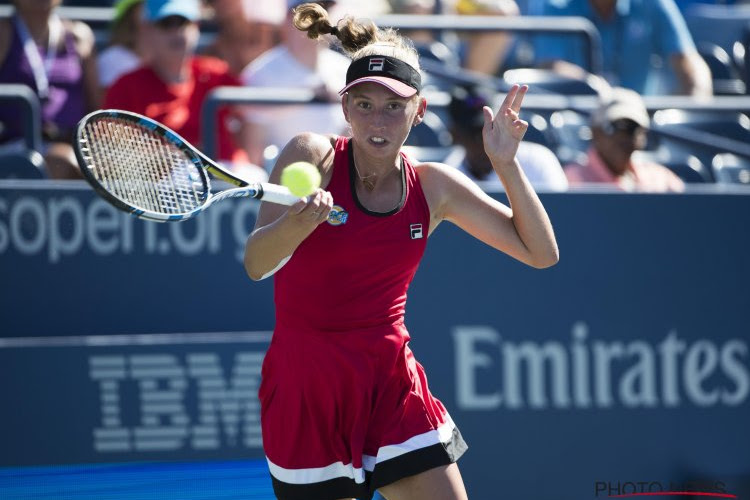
[[56, 58], [483, 51], [171, 88], [245, 29], [126, 49], [646, 46], [538, 162], [297, 62], [618, 128]]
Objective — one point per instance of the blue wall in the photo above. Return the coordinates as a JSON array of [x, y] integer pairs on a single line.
[[624, 368]]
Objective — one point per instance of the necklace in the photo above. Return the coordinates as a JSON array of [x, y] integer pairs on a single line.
[[368, 181]]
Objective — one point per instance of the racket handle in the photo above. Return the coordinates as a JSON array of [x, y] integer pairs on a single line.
[[276, 194]]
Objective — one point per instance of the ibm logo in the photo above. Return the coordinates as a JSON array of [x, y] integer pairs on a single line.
[[160, 402]]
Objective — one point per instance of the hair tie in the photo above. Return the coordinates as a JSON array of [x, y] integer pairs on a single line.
[[334, 31]]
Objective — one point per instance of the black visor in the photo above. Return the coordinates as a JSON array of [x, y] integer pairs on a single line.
[[395, 74]]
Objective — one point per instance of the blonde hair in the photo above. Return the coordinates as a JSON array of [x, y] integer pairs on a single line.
[[359, 38]]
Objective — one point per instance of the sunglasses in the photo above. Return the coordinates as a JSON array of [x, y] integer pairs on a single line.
[[627, 126], [172, 22]]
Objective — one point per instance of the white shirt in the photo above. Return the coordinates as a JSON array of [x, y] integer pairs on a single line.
[[278, 68], [115, 61], [538, 162]]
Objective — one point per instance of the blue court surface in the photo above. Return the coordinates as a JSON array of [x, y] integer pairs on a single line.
[[247, 480]]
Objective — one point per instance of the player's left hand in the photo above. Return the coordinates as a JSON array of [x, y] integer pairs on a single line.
[[502, 133]]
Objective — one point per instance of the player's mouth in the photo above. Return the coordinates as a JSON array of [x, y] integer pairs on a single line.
[[378, 141]]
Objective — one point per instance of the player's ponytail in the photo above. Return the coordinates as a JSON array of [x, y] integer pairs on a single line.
[[353, 34], [358, 37]]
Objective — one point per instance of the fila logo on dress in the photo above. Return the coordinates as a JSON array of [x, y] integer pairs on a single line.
[[416, 231]]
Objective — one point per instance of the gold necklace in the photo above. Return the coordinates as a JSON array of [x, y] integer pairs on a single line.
[[368, 181]]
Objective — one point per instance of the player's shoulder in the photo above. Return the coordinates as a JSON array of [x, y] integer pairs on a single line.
[[313, 147]]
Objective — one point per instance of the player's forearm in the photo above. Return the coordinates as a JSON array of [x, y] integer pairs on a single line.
[[529, 216], [269, 245]]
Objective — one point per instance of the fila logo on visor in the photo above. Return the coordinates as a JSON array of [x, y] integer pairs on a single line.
[[416, 231], [376, 64]]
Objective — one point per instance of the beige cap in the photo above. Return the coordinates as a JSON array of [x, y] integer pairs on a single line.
[[621, 104]]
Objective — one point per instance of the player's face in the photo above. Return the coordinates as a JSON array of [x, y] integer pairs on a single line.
[[380, 119]]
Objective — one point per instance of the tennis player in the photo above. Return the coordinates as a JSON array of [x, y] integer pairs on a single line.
[[345, 407]]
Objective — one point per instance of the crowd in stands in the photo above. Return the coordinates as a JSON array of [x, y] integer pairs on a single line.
[[161, 58]]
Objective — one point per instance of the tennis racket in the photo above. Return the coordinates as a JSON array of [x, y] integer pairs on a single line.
[[144, 168]]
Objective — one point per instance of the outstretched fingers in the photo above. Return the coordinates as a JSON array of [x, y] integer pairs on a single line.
[[518, 95]]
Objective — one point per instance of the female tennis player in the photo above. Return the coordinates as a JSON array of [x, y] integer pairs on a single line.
[[339, 366]]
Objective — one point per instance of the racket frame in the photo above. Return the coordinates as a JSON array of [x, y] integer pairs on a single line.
[[262, 191]]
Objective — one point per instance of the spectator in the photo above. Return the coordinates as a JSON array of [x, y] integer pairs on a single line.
[[302, 63], [56, 58], [538, 162], [642, 40], [618, 128], [172, 87], [483, 52], [245, 29], [126, 50]]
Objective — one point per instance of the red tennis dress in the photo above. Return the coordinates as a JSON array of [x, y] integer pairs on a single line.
[[345, 407]]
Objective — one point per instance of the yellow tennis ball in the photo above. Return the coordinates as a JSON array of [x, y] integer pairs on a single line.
[[302, 178]]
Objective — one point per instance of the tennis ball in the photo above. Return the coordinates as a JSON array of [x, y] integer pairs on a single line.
[[302, 178]]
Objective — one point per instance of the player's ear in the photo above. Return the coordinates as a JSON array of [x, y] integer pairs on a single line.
[[420, 111], [344, 106]]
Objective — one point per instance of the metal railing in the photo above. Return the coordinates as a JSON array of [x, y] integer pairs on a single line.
[[540, 103], [31, 113], [565, 25]]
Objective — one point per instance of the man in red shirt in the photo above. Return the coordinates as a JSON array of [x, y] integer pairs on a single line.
[[172, 87]]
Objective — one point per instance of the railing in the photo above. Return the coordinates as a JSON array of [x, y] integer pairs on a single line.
[[568, 25], [542, 103], [31, 112], [574, 26]]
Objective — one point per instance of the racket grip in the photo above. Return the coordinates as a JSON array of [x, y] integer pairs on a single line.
[[277, 194]]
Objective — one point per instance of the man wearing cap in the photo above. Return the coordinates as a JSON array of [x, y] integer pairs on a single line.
[[618, 128], [171, 88]]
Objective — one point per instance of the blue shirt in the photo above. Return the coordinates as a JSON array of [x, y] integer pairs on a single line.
[[637, 41]]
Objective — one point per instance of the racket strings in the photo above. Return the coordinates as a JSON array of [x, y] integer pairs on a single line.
[[142, 168]]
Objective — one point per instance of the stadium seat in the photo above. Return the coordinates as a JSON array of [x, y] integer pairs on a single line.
[[721, 25], [731, 169], [690, 169], [26, 164], [570, 133], [539, 130], [550, 81], [731, 125], [700, 133], [425, 154], [686, 166], [726, 77], [432, 132]]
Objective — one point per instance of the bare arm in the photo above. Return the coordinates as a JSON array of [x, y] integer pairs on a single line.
[[522, 230], [693, 74], [279, 230]]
